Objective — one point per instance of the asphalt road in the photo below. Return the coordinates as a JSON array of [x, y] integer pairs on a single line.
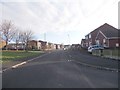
[[87, 58], [59, 69]]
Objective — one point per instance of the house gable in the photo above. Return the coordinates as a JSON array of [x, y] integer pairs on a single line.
[[100, 34]]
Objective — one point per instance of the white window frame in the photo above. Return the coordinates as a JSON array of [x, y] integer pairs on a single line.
[[104, 40], [98, 42], [89, 35]]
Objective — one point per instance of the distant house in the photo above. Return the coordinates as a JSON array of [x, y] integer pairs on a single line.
[[105, 35], [58, 46], [83, 43], [67, 46], [75, 46], [34, 45], [2, 43], [43, 45], [61, 46], [12, 46], [51, 46]]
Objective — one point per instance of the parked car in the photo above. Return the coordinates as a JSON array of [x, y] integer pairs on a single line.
[[95, 47], [65, 48]]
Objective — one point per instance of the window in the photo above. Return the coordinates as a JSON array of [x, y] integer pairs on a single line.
[[90, 43], [86, 37], [86, 44], [89, 35], [104, 40], [97, 42], [117, 44]]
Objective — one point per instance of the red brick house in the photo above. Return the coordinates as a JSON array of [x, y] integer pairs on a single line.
[[105, 35], [34, 44], [57, 46], [51, 46], [109, 38], [43, 45], [12, 46]]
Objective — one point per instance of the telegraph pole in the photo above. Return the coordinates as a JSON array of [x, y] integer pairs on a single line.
[[119, 15], [69, 38]]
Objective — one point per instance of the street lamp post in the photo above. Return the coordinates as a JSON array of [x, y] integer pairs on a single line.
[[69, 38], [44, 36]]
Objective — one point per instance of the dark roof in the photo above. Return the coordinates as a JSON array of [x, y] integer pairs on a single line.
[[83, 40], [109, 31], [75, 44], [42, 41], [33, 41]]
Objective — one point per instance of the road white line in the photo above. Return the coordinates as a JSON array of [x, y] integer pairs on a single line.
[[19, 64], [70, 60]]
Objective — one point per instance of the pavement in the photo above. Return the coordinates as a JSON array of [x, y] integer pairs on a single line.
[[63, 69]]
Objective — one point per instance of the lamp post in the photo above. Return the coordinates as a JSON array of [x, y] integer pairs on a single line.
[[69, 38], [44, 36]]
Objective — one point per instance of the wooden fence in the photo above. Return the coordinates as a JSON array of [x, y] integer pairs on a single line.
[[108, 53]]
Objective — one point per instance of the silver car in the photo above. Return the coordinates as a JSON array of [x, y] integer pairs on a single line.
[[94, 47]]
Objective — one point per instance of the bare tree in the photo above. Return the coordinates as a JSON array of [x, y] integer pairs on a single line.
[[17, 37], [26, 37], [7, 29]]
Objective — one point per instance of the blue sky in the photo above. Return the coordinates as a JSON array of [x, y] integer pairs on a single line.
[[60, 18], [62, 38]]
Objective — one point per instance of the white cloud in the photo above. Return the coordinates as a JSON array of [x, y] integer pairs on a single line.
[[60, 15]]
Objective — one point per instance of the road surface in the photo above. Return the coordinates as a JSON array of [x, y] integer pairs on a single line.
[[60, 69]]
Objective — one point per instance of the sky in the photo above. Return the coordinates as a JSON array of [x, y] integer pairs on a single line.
[[60, 21]]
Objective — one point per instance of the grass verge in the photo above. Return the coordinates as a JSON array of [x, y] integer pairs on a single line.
[[17, 55]]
